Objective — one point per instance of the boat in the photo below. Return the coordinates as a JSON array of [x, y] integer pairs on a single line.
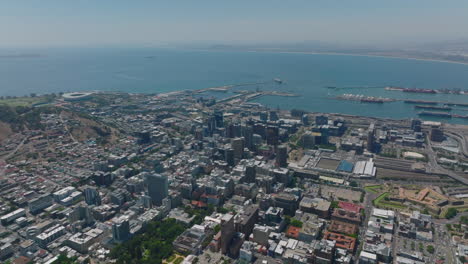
[[372, 100], [420, 102], [457, 104], [433, 107], [438, 114], [419, 90], [278, 80]]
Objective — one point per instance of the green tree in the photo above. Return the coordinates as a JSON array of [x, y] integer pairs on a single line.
[[451, 213], [63, 259], [430, 249], [296, 223]]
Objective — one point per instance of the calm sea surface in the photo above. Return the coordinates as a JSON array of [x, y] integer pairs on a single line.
[[149, 70]]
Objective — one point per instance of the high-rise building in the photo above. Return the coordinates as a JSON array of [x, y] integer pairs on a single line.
[[437, 134], [227, 232], [247, 133], [229, 156], [92, 196], [273, 116], [371, 138], [250, 173], [321, 120], [264, 116], [305, 120], [157, 188], [121, 229], [272, 135], [238, 147], [81, 213], [219, 118], [308, 140], [416, 125], [260, 129], [38, 204], [282, 156]]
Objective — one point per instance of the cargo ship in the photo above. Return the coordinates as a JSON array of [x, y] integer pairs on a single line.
[[372, 100], [461, 116], [420, 102], [433, 107], [418, 90], [411, 90], [457, 104], [364, 99], [437, 114]]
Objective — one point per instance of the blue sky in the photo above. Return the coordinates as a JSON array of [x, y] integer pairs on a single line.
[[143, 22]]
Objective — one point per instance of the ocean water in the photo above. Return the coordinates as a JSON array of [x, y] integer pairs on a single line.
[[151, 70]]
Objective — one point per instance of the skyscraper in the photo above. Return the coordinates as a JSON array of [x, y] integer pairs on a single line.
[[157, 188], [272, 135], [229, 156], [371, 137], [416, 125], [121, 229], [321, 120], [250, 172], [92, 196], [227, 232], [247, 133], [282, 156], [219, 118], [238, 147]]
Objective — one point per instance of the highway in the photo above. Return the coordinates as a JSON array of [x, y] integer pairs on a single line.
[[439, 169]]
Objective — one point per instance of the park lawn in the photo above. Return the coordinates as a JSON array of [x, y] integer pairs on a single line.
[[373, 188], [394, 205], [23, 101], [380, 198], [178, 260], [380, 201], [174, 259]]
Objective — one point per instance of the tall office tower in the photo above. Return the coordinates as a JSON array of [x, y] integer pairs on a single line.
[[238, 147], [272, 135], [260, 129], [321, 120], [416, 125], [247, 133], [371, 138], [157, 188], [308, 140], [210, 125], [227, 232], [81, 213], [219, 118], [229, 156], [250, 173], [121, 229], [305, 119], [237, 130], [92, 196], [273, 116], [437, 134], [282, 156], [199, 133]]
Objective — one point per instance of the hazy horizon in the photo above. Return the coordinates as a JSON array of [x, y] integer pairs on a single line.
[[118, 22]]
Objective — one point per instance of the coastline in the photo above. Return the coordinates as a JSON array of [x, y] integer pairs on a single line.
[[357, 54]]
